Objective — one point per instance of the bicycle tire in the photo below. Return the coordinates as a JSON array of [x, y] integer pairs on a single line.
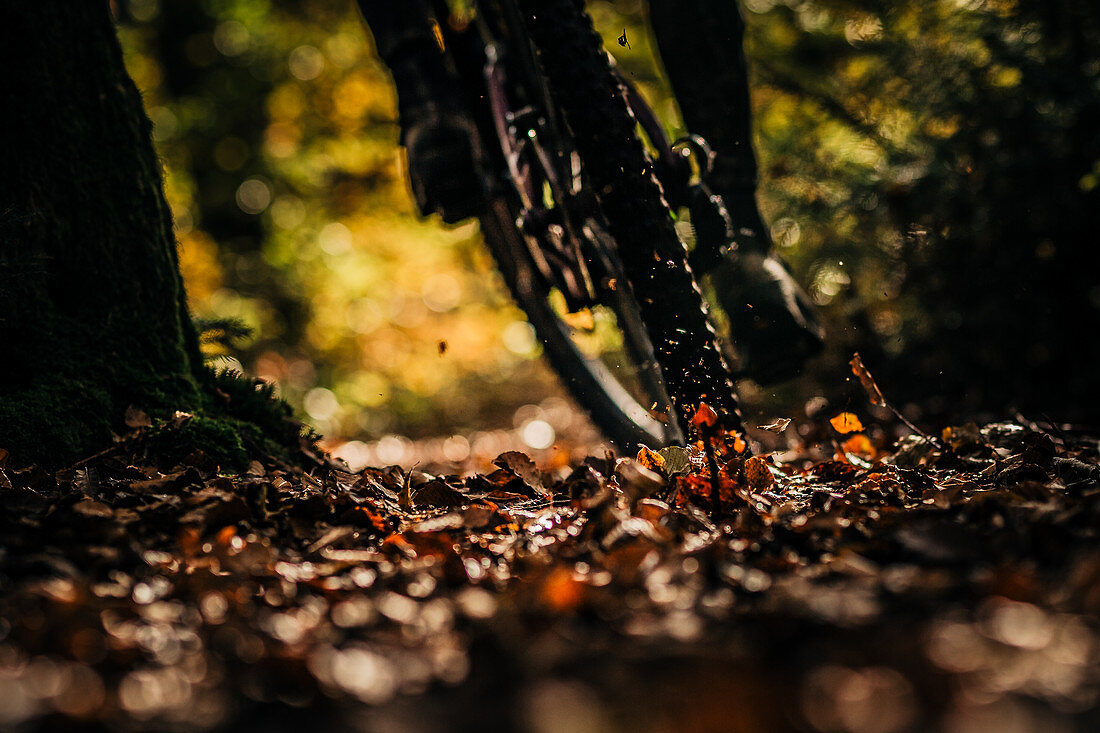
[[590, 98], [618, 415], [620, 396]]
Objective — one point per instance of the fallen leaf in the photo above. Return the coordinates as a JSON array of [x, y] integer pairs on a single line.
[[650, 458], [438, 493], [676, 460], [705, 416], [778, 426], [90, 508], [521, 465], [136, 418], [758, 474], [169, 483], [405, 498], [860, 445], [845, 423], [873, 392]]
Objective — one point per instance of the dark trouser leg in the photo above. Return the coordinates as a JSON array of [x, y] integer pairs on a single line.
[[773, 322], [405, 40], [444, 155], [700, 42]]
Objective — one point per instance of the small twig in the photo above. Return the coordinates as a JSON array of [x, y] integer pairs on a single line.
[[874, 394], [708, 432], [931, 439], [405, 499], [1050, 421], [101, 454]]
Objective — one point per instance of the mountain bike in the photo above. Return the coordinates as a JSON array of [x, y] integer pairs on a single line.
[[581, 219]]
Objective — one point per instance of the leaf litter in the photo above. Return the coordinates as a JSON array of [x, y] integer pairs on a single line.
[[940, 585]]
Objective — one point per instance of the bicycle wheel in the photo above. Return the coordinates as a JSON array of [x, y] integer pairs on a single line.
[[600, 130], [568, 256], [616, 410]]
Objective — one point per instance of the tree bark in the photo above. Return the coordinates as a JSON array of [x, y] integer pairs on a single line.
[[92, 310]]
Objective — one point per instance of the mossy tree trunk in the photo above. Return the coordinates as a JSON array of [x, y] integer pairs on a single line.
[[92, 310]]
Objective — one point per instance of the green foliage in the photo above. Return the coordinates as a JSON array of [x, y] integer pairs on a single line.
[[255, 402], [224, 334], [277, 126], [239, 420], [937, 161]]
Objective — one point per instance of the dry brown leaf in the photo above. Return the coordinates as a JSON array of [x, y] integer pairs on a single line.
[[757, 474], [778, 426], [650, 458], [438, 493], [869, 386], [136, 418]]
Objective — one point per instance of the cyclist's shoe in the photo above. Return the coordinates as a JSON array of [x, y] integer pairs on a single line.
[[446, 165], [774, 325]]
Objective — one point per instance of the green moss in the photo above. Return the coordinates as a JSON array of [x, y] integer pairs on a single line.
[[219, 439], [239, 420], [59, 417]]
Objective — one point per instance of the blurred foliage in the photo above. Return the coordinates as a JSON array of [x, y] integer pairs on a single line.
[[930, 171], [277, 126]]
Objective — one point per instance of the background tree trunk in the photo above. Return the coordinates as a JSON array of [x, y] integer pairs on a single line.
[[92, 309]]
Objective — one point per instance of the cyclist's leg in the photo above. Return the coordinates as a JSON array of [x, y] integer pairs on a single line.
[[773, 322], [405, 40], [706, 34], [443, 148]]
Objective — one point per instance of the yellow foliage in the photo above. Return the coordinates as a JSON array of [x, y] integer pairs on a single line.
[[202, 274]]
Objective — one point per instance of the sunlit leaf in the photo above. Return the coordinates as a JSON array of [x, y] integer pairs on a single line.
[[650, 458], [846, 422], [868, 382], [778, 426], [704, 416], [859, 445]]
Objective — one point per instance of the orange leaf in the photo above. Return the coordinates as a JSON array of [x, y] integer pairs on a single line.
[[845, 423], [757, 474], [860, 445], [704, 416], [650, 458], [225, 535]]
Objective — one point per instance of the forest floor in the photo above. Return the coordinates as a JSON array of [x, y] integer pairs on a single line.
[[948, 582]]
